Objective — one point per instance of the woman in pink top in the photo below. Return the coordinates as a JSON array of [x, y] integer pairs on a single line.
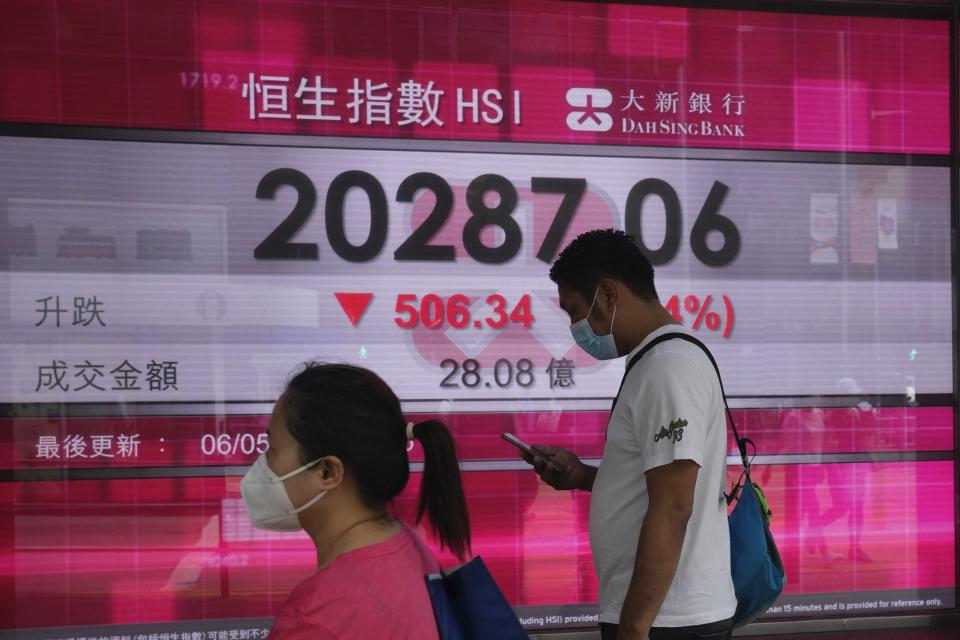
[[337, 457]]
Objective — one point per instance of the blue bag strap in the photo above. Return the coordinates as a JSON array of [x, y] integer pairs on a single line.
[[741, 442]]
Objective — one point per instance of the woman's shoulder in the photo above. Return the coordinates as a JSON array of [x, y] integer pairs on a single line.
[[403, 555], [428, 561], [405, 551], [371, 582]]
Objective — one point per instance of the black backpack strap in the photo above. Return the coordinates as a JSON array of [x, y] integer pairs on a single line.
[[633, 361], [636, 358], [741, 442]]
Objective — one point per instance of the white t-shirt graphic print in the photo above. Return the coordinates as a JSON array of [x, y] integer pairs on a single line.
[[670, 408]]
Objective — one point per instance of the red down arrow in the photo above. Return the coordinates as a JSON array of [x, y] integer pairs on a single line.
[[354, 305]]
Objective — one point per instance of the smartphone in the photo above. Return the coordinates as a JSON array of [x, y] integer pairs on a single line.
[[523, 446], [518, 443]]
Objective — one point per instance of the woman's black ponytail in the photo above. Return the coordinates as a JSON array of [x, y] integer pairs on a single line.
[[441, 490]]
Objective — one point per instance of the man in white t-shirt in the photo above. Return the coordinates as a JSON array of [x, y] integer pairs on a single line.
[[658, 517]]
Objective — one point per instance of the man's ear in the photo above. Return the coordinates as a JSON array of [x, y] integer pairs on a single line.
[[608, 293]]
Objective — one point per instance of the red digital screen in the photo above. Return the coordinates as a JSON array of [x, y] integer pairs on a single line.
[[149, 314], [763, 80]]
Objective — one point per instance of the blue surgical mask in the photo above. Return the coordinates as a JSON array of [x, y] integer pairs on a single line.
[[600, 347]]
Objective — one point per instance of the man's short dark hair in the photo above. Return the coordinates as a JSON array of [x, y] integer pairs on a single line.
[[604, 253]]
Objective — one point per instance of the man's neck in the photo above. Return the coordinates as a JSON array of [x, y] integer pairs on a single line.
[[655, 318]]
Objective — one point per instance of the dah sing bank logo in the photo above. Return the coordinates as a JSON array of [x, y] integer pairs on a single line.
[[585, 117], [663, 113]]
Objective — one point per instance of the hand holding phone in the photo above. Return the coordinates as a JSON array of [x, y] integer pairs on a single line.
[[528, 451]]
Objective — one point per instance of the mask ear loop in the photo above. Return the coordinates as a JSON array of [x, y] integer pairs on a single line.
[[287, 476], [311, 503], [593, 302]]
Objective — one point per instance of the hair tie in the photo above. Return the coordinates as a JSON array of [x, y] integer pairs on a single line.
[[410, 437]]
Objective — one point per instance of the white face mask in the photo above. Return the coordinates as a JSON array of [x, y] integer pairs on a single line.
[[266, 498]]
